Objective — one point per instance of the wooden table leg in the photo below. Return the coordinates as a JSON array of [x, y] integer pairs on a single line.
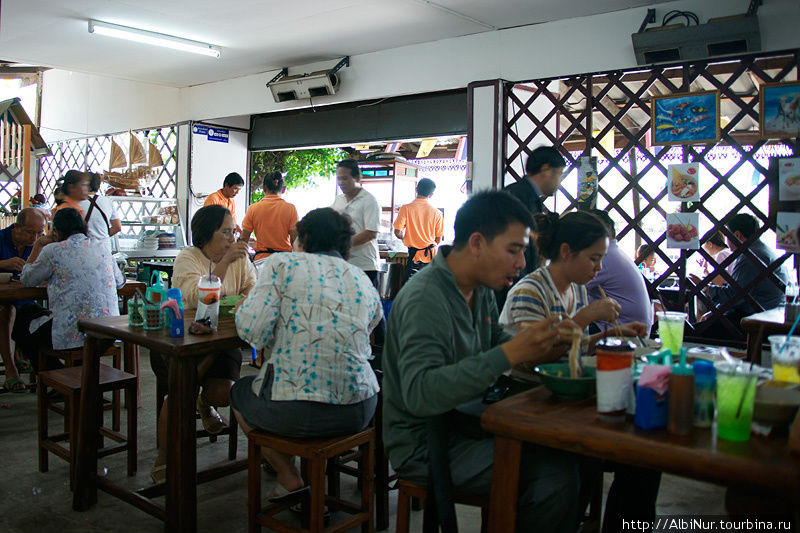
[[131, 366], [85, 493], [181, 502], [505, 485]]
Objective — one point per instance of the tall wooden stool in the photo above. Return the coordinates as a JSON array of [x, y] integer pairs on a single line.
[[409, 490], [315, 454], [67, 381]]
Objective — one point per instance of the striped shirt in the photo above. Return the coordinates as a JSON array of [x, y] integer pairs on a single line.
[[535, 297]]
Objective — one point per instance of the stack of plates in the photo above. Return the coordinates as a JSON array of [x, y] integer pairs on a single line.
[[166, 241], [148, 243]]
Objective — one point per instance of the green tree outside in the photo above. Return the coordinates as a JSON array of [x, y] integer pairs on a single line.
[[299, 167]]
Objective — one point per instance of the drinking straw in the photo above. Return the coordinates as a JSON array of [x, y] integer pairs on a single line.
[[744, 392], [789, 336]]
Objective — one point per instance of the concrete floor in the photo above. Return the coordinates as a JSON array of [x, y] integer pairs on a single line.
[[33, 502]]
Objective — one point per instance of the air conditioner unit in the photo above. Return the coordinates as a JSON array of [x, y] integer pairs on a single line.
[[301, 86], [724, 36]]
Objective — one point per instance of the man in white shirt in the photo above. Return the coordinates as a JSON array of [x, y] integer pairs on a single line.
[[101, 218], [365, 214]]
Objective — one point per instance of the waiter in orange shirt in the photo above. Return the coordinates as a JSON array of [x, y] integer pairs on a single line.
[[421, 226], [272, 220], [231, 186]]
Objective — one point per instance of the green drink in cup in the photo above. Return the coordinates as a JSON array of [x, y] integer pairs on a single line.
[[736, 393], [670, 330]]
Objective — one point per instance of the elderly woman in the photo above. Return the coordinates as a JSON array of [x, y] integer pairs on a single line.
[[215, 250], [313, 312], [82, 282]]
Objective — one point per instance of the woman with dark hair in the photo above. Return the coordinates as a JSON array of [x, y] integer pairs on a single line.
[[575, 245], [217, 252], [718, 249], [82, 282], [75, 187], [313, 312], [272, 220]]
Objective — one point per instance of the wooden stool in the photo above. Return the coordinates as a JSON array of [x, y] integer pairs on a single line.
[[410, 490], [315, 454], [67, 381]]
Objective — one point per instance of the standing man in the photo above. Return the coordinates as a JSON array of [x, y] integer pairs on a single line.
[[444, 347], [542, 177], [231, 186], [16, 243], [365, 215], [421, 226]]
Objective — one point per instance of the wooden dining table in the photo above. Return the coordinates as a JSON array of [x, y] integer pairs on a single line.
[[760, 325], [15, 291], [538, 417], [183, 353]]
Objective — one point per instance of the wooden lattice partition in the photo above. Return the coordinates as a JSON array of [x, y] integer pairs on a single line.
[[607, 114]]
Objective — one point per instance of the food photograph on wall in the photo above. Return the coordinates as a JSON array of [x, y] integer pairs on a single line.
[[682, 231], [683, 182]]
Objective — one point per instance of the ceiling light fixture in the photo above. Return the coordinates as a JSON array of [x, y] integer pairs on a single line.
[[151, 37]]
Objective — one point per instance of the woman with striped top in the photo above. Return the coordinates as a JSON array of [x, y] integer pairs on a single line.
[[575, 245]]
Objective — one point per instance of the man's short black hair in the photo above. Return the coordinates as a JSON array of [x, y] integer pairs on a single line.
[[544, 155], [745, 223], [233, 179], [205, 222], [489, 213], [603, 215], [425, 187], [352, 166]]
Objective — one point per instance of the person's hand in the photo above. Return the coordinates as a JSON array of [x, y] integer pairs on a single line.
[[44, 240], [603, 310], [14, 263], [532, 341], [633, 329], [236, 251]]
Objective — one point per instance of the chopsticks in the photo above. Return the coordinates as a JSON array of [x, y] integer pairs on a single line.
[[617, 329]]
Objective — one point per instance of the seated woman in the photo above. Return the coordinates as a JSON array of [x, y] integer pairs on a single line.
[[216, 250], [313, 312], [82, 282], [575, 244]]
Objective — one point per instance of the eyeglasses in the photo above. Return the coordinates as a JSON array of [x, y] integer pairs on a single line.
[[228, 233]]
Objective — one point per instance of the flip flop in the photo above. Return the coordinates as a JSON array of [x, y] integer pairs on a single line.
[[280, 494], [15, 385], [23, 365]]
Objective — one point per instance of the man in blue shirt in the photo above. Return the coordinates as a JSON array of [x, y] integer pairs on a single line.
[[16, 243]]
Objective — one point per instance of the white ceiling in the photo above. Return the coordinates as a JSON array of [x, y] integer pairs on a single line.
[[254, 35]]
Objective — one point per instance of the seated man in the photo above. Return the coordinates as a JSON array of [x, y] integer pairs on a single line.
[[16, 243], [444, 347], [745, 269]]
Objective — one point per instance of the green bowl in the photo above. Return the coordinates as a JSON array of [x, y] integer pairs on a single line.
[[227, 305], [564, 386]]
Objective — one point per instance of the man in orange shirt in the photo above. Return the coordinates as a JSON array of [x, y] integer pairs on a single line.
[[231, 186], [271, 220], [424, 228]]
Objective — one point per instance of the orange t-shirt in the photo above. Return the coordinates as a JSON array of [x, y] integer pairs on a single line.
[[423, 223], [270, 220], [68, 202], [217, 198]]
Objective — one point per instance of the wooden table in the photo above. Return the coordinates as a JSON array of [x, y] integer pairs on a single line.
[[572, 425], [180, 512], [760, 325], [14, 291]]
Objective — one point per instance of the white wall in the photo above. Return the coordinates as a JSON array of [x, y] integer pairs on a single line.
[[92, 104], [77, 105]]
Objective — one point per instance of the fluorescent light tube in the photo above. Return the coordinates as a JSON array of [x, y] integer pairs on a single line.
[[150, 37]]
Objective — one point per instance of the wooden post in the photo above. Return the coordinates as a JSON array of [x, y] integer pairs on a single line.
[[26, 165]]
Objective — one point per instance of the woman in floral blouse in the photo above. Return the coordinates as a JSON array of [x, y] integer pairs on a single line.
[[312, 312], [82, 282]]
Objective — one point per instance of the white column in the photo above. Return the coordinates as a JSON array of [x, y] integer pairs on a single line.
[[485, 129]]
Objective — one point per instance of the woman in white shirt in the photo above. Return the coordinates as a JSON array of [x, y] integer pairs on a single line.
[[312, 313]]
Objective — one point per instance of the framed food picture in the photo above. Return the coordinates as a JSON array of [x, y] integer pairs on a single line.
[[789, 179], [685, 118], [779, 110], [587, 183], [682, 230], [787, 232], [683, 184]]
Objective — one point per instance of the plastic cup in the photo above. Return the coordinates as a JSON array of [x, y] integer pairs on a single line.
[[786, 366], [736, 394], [670, 330], [208, 294], [614, 377]]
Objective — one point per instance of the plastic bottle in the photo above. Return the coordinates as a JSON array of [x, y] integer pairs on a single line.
[[681, 398], [172, 322], [705, 378]]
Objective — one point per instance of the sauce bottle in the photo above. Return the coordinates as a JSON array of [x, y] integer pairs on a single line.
[[681, 398], [705, 378]]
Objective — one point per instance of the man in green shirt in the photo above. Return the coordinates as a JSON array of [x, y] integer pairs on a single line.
[[444, 347]]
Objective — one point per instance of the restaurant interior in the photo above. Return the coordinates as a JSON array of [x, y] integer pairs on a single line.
[[674, 122]]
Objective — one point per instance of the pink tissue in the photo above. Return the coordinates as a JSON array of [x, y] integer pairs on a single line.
[[172, 304], [655, 377]]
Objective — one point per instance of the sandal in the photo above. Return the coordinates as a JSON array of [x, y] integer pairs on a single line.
[[280, 494], [158, 474], [23, 366], [15, 385]]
